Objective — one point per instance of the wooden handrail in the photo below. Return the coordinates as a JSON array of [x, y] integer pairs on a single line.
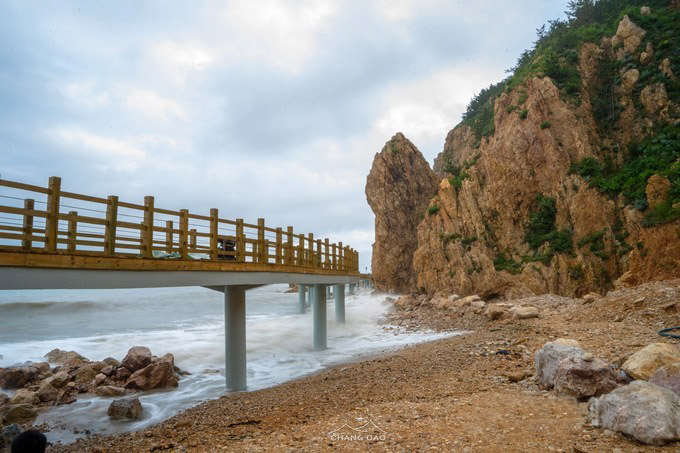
[[141, 230]]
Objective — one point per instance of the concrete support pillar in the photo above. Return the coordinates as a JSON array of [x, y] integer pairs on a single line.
[[301, 298], [328, 292], [340, 304], [319, 309], [351, 289], [235, 371]]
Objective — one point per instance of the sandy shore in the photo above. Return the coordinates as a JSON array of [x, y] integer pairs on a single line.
[[448, 395]]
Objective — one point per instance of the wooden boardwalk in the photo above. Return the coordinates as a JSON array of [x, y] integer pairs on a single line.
[[47, 227]]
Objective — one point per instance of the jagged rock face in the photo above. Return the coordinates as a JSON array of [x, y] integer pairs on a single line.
[[485, 217], [398, 189]]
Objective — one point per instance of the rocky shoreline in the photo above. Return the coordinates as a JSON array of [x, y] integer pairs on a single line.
[[475, 392], [66, 374]]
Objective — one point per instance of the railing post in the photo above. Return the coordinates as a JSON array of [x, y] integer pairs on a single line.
[[147, 232], [341, 266], [262, 252], [289, 246], [240, 242], [184, 233], [318, 262], [27, 243], [301, 251], [310, 260], [214, 219], [72, 231], [52, 223], [334, 258], [279, 245], [168, 236], [327, 262], [110, 228], [192, 240]]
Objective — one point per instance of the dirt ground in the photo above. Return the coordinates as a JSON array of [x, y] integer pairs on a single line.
[[448, 395]]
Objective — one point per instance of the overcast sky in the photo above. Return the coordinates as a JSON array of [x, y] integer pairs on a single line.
[[260, 108]]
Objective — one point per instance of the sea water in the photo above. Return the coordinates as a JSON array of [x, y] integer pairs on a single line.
[[189, 323]]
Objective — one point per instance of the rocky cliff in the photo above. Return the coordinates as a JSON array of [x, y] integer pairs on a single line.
[[572, 184], [398, 189]]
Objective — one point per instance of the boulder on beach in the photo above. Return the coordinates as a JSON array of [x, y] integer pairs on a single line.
[[644, 363], [24, 396], [66, 358], [47, 393], [643, 410], [137, 358], [158, 375], [109, 390], [19, 376], [18, 413], [8, 434], [548, 358], [524, 312], [584, 376], [668, 376], [129, 408]]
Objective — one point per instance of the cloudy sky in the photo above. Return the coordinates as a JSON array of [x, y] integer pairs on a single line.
[[261, 108]]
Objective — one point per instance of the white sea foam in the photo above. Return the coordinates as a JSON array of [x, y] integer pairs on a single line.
[[187, 322]]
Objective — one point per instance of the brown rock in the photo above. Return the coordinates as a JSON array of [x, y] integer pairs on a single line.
[[109, 390], [655, 99], [108, 370], [668, 376], [629, 79], [19, 413], [398, 189], [47, 393], [67, 358], [665, 68], [137, 358], [495, 312], [99, 379], [111, 362], [24, 396], [629, 35], [59, 379], [644, 363], [122, 374], [84, 375], [158, 375], [130, 408], [657, 189], [525, 312], [583, 377], [647, 56], [20, 376]]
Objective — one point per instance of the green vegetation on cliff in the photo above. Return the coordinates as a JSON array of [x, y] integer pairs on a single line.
[[659, 154], [555, 54]]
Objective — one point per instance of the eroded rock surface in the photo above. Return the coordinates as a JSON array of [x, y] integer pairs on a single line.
[[398, 189]]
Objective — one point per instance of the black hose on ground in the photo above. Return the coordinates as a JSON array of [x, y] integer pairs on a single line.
[[666, 332]]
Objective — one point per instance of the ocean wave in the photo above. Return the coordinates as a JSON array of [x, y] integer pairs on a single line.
[[52, 306]]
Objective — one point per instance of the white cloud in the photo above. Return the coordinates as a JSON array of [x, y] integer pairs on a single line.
[[85, 95], [425, 110], [403, 9], [179, 60], [282, 34], [153, 105], [110, 152]]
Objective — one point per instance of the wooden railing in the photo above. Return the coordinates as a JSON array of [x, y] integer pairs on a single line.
[[94, 226]]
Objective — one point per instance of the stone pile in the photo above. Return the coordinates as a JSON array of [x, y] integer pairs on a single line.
[[39, 385]]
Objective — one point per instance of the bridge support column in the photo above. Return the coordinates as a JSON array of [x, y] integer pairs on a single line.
[[301, 298], [328, 292], [319, 308], [351, 289], [339, 304], [235, 371]]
